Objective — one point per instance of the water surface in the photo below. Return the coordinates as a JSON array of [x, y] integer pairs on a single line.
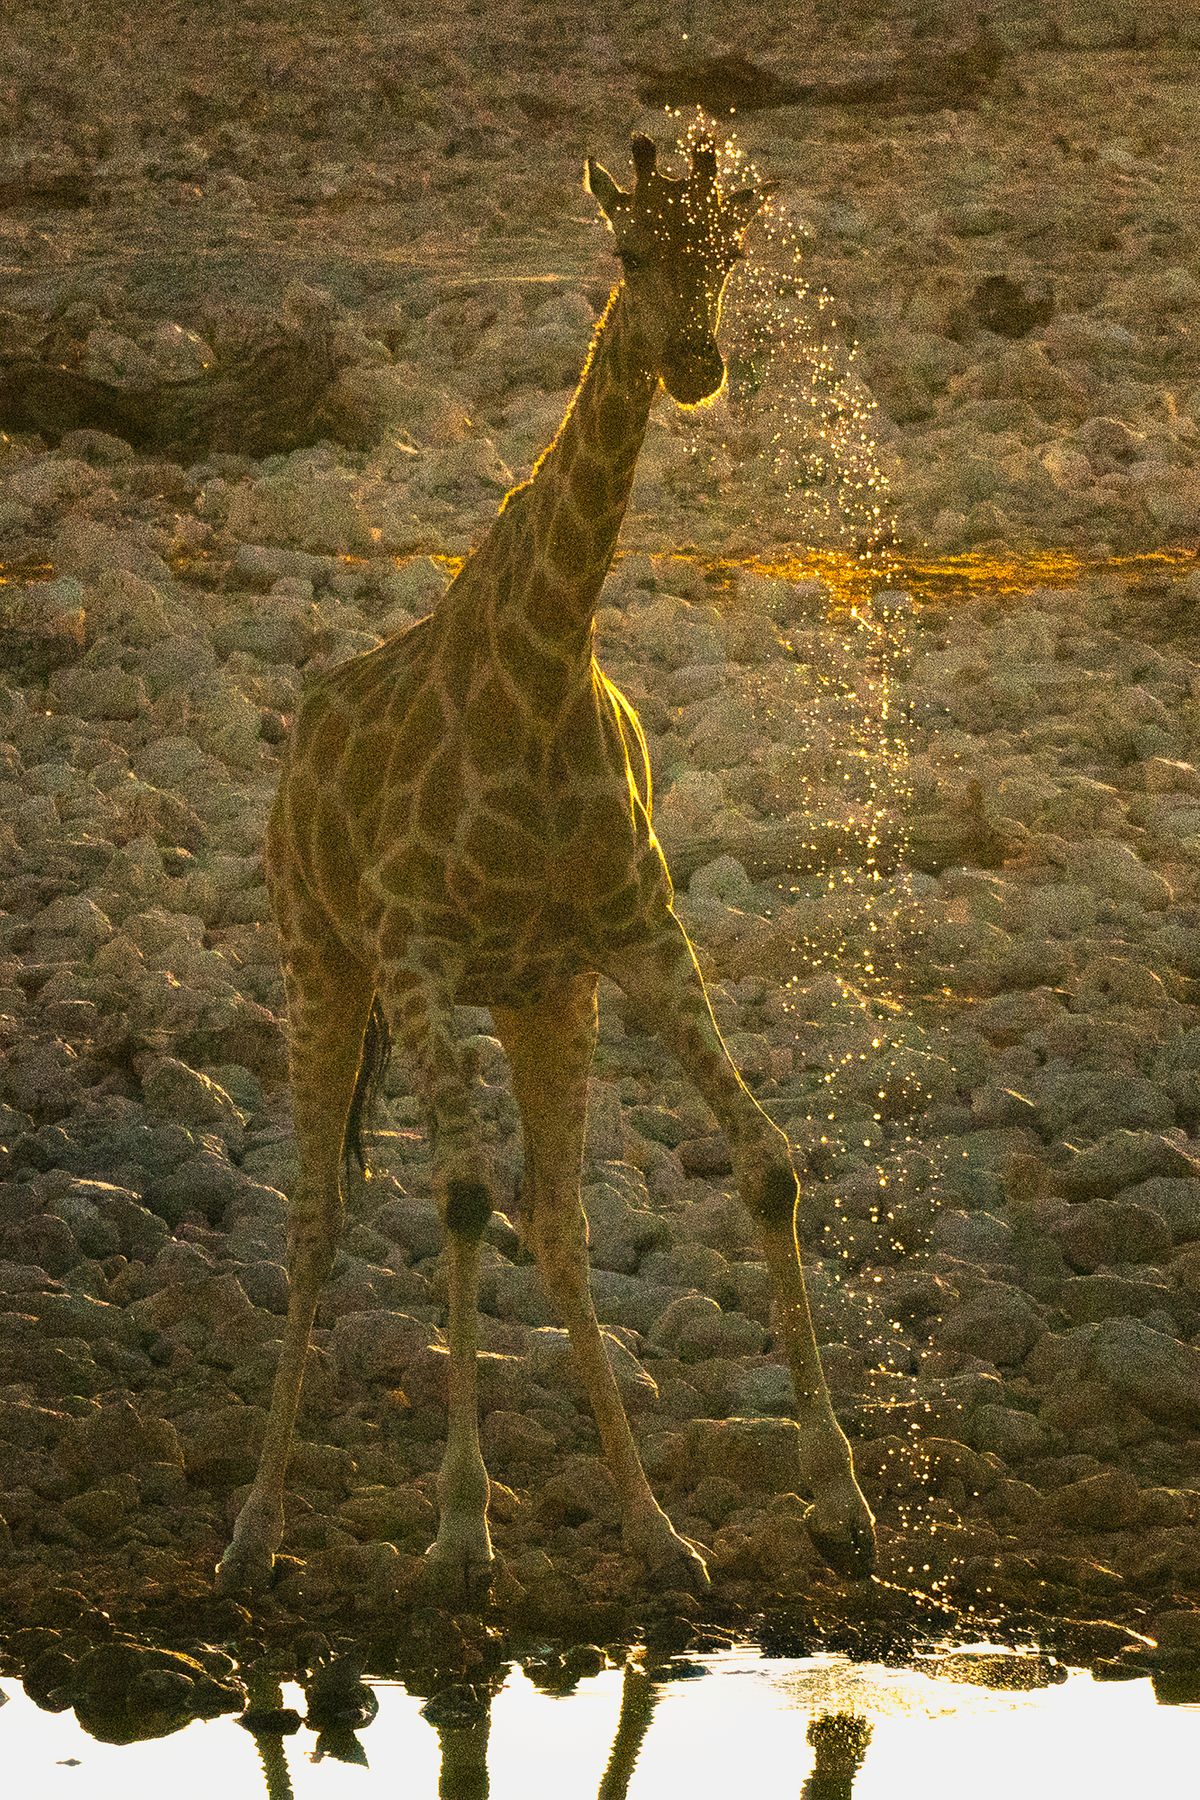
[[818, 1728]]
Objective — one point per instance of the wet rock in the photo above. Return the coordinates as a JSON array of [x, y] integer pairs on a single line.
[[125, 1691]]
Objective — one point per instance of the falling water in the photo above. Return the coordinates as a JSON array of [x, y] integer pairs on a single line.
[[783, 476]]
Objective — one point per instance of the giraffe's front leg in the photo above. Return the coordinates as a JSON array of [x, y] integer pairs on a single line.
[[419, 998], [549, 1045], [328, 1002], [662, 980]]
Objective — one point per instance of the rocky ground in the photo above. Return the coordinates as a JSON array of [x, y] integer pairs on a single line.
[[990, 1059]]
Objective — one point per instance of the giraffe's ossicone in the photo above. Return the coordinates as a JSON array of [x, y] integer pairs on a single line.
[[465, 816]]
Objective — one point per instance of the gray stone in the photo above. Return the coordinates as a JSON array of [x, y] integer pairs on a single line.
[[1124, 1158], [552, 1366], [761, 1454], [695, 1328], [380, 1346], [998, 1325]]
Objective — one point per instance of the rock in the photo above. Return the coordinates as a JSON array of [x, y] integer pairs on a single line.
[[268, 563], [552, 1366], [1115, 872], [764, 1391], [304, 506], [1093, 1101], [1010, 1434], [510, 1439], [724, 880], [221, 1447], [100, 694], [1174, 1199], [1058, 909], [1177, 1638], [999, 1325], [1011, 308], [1129, 1361], [695, 1328], [1124, 1158], [371, 1347], [619, 1234], [118, 1438], [45, 627], [760, 1454], [676, 632], [974, 1237], [401, 1516], [174, 1091], [211, 1317], [279, 629], [1109, 1501], [1099, 1233]]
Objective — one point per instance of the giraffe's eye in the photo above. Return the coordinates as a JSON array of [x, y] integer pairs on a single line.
[[631, 262]]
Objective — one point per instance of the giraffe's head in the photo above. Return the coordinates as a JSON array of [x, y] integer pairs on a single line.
[[677, 241]]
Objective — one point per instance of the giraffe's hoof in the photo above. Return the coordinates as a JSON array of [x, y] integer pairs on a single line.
[[245, 1568], [669, 1558], [849, 1549], [459, 1568]]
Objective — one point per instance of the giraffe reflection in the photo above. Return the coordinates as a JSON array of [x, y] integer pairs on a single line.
[[840, 1741]]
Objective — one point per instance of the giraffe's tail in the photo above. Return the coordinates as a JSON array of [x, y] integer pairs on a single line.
[[376, 1052]]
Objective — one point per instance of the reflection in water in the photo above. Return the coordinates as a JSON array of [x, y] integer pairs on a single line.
[[566, 1727], [462, 1718], [639, 1695], [840, 1740]]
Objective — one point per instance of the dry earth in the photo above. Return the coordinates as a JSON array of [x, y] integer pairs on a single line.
[[1002, 1218]]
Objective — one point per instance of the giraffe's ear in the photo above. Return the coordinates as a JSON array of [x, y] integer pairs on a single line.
[[743, 205], [602, 187]]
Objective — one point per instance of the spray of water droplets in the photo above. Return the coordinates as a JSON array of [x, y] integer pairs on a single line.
[[781, 493]]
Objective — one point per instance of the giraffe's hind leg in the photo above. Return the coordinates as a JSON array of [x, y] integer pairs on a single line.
[[550, 1047], [662, 980], [418, 996], [329, 997]]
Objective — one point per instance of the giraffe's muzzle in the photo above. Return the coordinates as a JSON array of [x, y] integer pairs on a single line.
[[692, 371]]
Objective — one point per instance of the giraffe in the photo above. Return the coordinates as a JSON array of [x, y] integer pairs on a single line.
[[464, 817]]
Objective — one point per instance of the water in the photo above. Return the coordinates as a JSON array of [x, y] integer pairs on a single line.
[[821, 1728]]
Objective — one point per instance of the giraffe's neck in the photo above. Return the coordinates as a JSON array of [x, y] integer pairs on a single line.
[[557, 532]]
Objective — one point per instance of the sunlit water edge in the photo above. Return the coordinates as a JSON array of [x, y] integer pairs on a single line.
[[740, 1718], [966, 574]]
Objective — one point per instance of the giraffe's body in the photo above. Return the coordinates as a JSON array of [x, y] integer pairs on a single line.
[[465, 817], [482, 781]]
